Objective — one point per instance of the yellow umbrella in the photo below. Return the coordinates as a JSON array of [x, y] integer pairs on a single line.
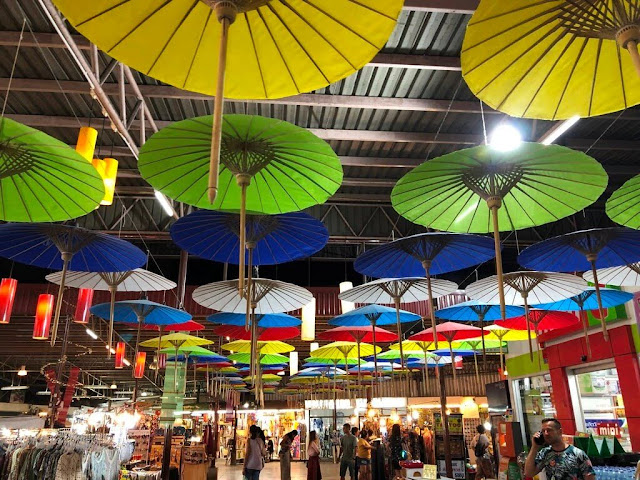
[[502, 334], [264, 348], [275, 48], [554, 59], [417, 345]]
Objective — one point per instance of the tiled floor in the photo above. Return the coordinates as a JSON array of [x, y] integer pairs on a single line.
[[271, 471]]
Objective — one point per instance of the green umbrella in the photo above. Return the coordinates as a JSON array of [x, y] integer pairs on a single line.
[[623, 206], [267, 166], [532, 185], [268, 359], [42, 179]]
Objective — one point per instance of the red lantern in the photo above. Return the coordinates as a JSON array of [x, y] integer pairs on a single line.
[[162, 360], [458, 363], [120, 355], [43, 317], [85, 297], [8, 288], [141, 358]]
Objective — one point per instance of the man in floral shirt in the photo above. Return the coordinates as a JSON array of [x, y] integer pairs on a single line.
[[559, 460]]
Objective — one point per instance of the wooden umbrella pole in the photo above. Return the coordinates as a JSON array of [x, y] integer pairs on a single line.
[[632, 48], [158, 354], [112, 312], [484, 350], [396, 301], [248, 293], [526, 317], [453, 363], [427, 265], [603, 318], [243, 183], [494, 204], [358, 341], [226, 17], [66, 258], [135, 388], [585, 328], [475, 361], [501, 359], [426, 372], [375, 360]]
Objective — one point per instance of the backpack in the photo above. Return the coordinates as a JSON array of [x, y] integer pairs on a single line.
[[479, 449]]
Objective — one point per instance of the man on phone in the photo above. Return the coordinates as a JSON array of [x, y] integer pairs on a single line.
[[559, 460]]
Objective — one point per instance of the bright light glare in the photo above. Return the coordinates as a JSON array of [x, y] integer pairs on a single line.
[[487, 426], [92, 334], [505, 138], [164, 202], [560, 130]]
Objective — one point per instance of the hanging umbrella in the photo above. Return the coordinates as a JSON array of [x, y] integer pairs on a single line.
[[447, 332], [137, 280], [266, 359], [472, 311], [265, 320], [526, 288], [264, 334], [64, 247], [189, 326], [484, 190], [277, 49], [584, 250], [397, 290], [42, 179], [553, 59], [269, 166], [475, 345], [373, 315], [411, 346], [266, 378], [430, 253], [358, 334], [540, 321], [317, 362], [623, 206], [178, 341], [587, 300], [624, 276], [264, 348], [503, 334]]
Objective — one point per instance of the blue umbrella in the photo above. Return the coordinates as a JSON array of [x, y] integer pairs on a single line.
[[588, 300], [65, 247], [265, 320], [273, 239], [474, 311], [585, 250], [440, 252]]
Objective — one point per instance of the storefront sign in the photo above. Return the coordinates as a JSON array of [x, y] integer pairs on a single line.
[[458, 467], [605, 427]]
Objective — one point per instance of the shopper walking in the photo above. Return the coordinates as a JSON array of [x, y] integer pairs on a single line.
[[347, 454], [559, 460], [285, 455], [254, 458], [364, 456], [481, 449], [396, 448], [354, 432], [313, 452]]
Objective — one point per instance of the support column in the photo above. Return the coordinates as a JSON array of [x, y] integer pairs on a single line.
[[562, 400], [628, 374]]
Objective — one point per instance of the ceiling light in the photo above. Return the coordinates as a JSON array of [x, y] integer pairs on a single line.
[[14, 387], [44, 393], [113, 351], [126, 362], [558, 130], [98, 387], [113, 386], [92, 334], [23, 371], [505, 138], [165, 203], [144, 394]]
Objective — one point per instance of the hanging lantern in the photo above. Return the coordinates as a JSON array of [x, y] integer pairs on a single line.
[[8, 288], [308, 329], [138, 369], [86, 143], [314, 346], [43, 317], [293, 363], [162, 361], [119, 355], [85, 297], [458, 363], [108, 170], [346, 306]]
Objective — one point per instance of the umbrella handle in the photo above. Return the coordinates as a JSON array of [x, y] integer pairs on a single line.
[[603, 320], [112, 306], [66, 258], [526, 317], [632, 48], [494, 204], [396, 301], [248, 294], [218, 104], [585, 329], [484, 350], [243, 182]]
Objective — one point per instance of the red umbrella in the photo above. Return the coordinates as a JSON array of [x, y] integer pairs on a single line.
[[365, 333], [264, 334], [449, 332], [540, 320]]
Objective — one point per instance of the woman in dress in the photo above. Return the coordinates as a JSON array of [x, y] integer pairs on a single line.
[[254, 458], [285, 455], [313, 465], [395, 445]]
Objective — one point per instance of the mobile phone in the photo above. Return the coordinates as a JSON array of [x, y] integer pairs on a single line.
[[539, 440]]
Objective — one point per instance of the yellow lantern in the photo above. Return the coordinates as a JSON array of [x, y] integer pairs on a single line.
[[308, 329], [86, 143], [108, 170]]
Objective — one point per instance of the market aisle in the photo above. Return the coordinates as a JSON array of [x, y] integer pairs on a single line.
[[271, 471]]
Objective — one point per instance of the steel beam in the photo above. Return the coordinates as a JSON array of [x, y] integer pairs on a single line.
[[443, 6]]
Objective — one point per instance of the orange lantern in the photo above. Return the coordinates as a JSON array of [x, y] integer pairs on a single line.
[[85, 297], [120, 355], [8, 288], [86, 143], [138, 369], [43, 317]]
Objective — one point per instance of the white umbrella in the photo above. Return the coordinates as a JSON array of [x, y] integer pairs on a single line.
[[398, 290], [527, 288], [137, 280], [624, 276]]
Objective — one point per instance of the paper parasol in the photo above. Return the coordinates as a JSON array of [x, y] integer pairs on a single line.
[[623, 206], [624, 276]]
